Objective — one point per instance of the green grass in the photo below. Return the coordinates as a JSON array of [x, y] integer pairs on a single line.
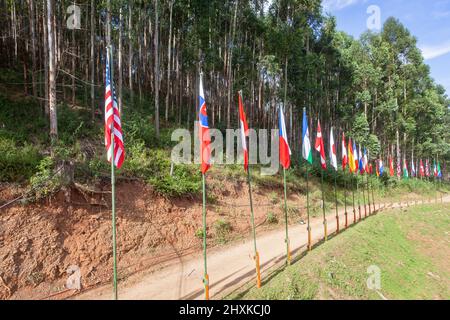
[[409, 246]]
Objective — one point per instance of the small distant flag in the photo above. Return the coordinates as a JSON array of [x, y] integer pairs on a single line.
[[361, 161], [112, 119], [333, 158], [421, 169], [366, 161], [399, 170], [306, 144], [205, 138], [413, 169], [344, 153], [377, 167], [319, 146], [439, 170], [391, 167], [435, 171], [427, 168], [405, 169], [381, 169], [351, 159], [244, 130], [355, 157], [285, 151]]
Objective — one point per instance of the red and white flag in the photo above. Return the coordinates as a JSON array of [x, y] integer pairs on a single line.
[[285, 151], [319, 146], [112, 120], [333, 158], [244, 130]]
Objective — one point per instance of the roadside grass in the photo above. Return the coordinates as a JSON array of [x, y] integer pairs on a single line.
[[410, 246]]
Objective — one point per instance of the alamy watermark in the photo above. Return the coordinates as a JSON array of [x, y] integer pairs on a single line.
[[73, 21], [373, 22], [262, 148]]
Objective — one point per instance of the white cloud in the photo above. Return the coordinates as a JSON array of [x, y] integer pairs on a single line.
[[431, 52], [337, 4]]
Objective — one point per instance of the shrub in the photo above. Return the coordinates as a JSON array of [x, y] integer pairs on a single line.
[[17, 163], [271, 218], [45, 181]]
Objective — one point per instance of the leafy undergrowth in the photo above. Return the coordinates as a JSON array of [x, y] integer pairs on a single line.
[[409, 246]]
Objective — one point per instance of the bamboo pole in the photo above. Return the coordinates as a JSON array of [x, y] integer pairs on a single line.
[[323, 207], [258, 274], [205, 267], [307, 208], [336, 203], [288, 253]]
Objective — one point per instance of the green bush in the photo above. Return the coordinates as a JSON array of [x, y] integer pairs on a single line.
[[17, 163], [45, 181], [271, 218]]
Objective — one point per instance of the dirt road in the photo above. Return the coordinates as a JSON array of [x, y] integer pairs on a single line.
[[228, 267]]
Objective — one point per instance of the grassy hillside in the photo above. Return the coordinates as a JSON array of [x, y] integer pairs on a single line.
[[410, 246]]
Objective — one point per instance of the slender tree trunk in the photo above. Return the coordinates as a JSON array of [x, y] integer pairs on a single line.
[[33, 47], [169, 56], [120, 81], [130, 51], [92, 60], [156, 47], [52, 73]]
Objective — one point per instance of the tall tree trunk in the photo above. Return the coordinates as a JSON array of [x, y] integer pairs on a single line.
[[156, 47], [230, 60], [92, 60], [52, 73], [130, 51], [33, 47], [120, 81], [169, 56]]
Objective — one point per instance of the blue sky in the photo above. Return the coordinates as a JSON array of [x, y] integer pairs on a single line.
[[427, 20]]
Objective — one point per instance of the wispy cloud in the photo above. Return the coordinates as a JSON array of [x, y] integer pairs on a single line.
[[330, 5], [431, 52]]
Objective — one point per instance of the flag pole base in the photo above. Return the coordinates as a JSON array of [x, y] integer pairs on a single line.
[[325, 231], [346, 219], [258, 271], [206, 283], [309, 239], [337, 223]]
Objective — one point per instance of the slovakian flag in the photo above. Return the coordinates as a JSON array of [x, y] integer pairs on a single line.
[[205, 139], [112, 120], [333, 157], [355, 157], [244, 130], [319, 146], [391, 167], [351, 159], [413, 169], [306, 141], [381, 167], [344, 153], [285, 151], [421, 169]]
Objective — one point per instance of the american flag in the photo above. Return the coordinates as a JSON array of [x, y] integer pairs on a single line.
[[112, 115]]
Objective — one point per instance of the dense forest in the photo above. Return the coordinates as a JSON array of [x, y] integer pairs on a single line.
[[377, 89]]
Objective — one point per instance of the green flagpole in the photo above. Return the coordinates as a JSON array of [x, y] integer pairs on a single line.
[[368, 193], [359, 196], [345, 199], [307, 208], [258, 274], [205, 267], [323, 207], [113, 185], [353, 196], [364, 197], [373, 197], [335, 198], [288, 253]]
